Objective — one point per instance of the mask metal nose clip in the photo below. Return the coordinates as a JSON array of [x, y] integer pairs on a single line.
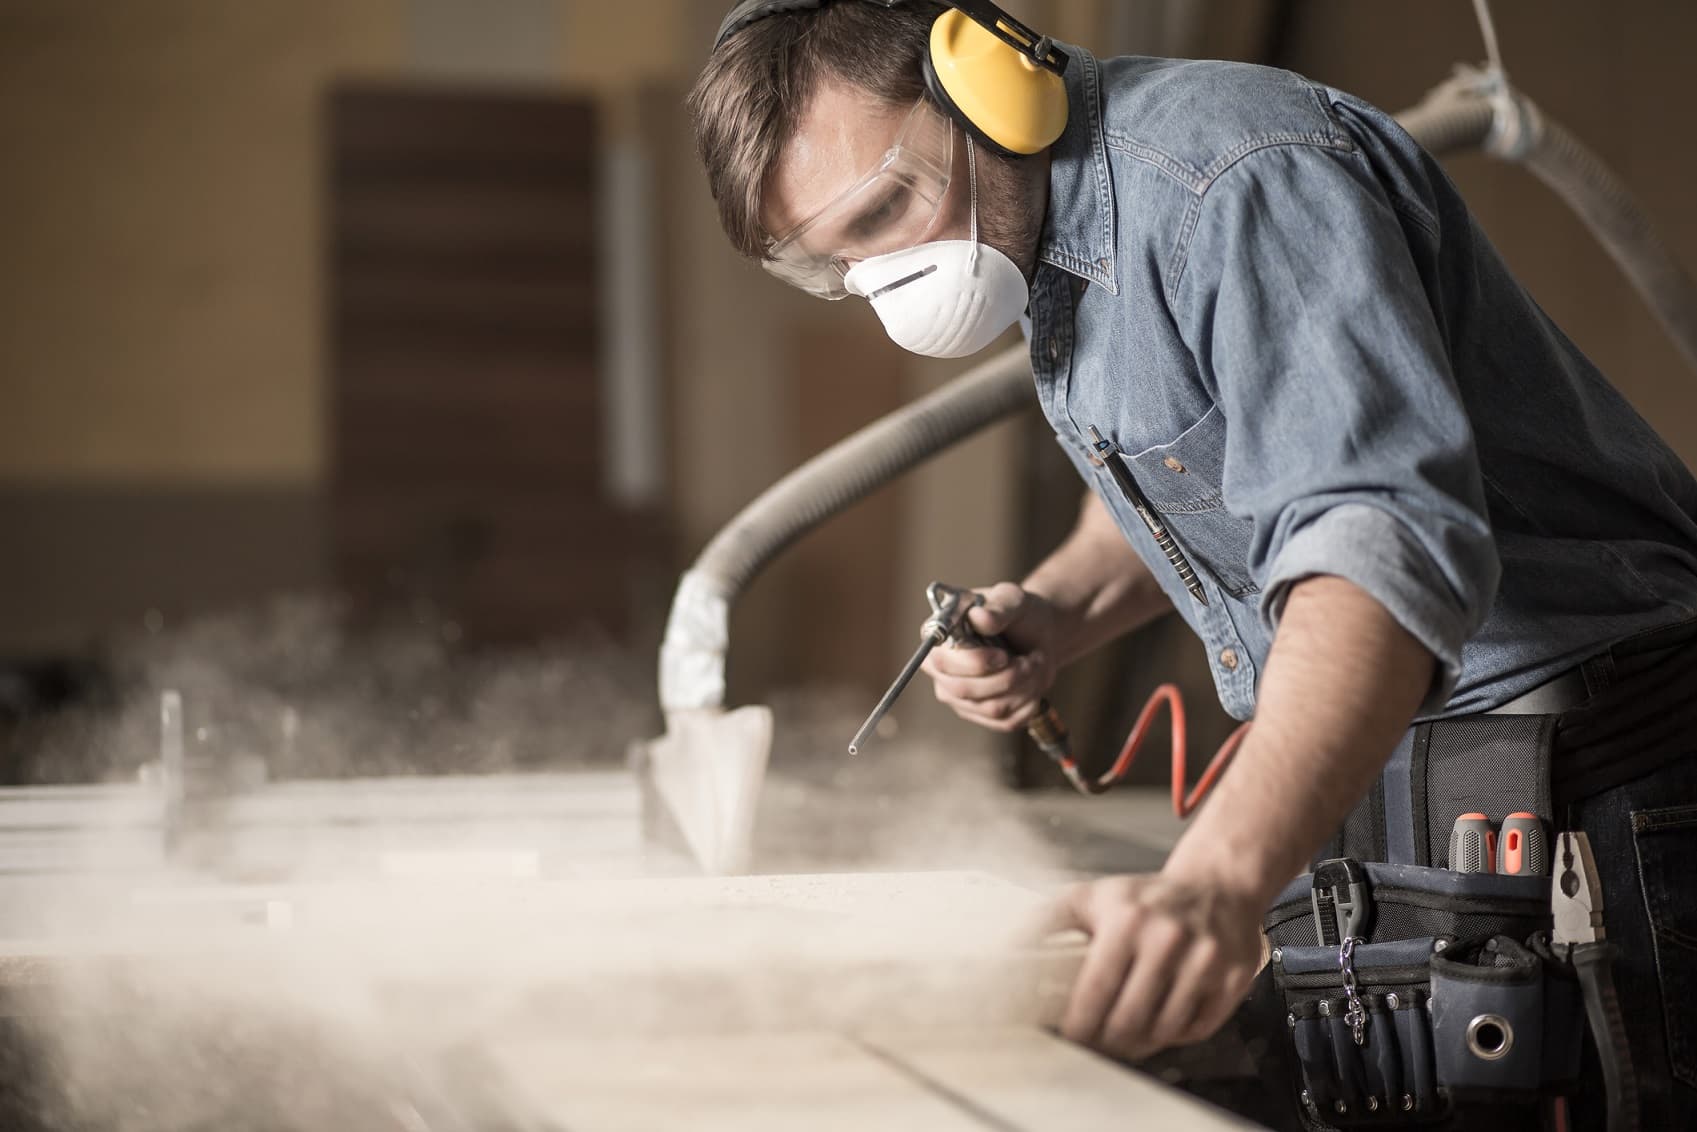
[[902, 282]]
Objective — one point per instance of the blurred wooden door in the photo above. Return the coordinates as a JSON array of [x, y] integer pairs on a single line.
[[840, 580], [464, 395]]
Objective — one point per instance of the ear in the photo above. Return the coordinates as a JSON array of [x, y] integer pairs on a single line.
[[934, 87]]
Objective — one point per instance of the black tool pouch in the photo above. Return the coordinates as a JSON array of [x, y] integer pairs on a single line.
[[1444, 1012]]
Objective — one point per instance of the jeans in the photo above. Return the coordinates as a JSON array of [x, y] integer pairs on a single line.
[[1644, 836]]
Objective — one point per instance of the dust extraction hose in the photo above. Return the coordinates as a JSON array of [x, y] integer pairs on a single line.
[[692, 657], [1473, 110]]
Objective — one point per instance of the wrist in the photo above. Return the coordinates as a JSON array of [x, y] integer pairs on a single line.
[[1060, 615], [1246, 873]]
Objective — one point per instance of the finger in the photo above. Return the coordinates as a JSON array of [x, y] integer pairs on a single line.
[[998, 711], [1192, 992], [1002, 603], [1220, 1004], [1159, 954], [966, 662], [998, 715], [1066, 912], [1113, 946], [1077, 907], [1007, 712], [1014, 681], [1010, 726]]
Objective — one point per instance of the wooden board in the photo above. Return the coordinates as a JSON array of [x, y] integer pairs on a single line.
[[740, 1083], [884, 1001], [581, 957], [1006, 1079], [1028, 1078]]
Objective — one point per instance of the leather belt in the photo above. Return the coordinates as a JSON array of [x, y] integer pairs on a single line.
[[1552, 697]]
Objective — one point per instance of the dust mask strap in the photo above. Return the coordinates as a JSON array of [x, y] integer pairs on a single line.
[[972, 190]]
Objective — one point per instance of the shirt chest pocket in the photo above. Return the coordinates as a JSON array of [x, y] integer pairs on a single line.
[[1181, 480]]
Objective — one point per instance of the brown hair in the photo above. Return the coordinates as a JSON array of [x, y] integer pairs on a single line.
[[754, 89]]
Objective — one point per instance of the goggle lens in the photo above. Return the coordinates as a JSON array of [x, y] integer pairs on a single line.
[[894, 207]]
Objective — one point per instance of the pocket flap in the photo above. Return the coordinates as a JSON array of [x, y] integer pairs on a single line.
[[1186, 473], [1396, 953]]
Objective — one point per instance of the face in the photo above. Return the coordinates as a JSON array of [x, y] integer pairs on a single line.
[[843, 136]]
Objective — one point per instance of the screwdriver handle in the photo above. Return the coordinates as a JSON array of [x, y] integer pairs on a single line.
[[1473, 844], [1523, 846]]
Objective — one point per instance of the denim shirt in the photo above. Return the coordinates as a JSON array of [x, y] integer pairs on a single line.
[[1280, 312]]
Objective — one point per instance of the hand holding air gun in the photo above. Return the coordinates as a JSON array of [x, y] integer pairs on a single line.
[[951, 624], [999, 685]]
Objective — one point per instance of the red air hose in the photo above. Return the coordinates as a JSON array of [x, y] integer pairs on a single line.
[[1183, 804]]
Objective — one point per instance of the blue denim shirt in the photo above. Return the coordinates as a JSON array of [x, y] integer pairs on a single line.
[[1279, 309]]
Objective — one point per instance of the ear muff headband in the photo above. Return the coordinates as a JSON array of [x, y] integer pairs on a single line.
[[995, 76], [752, 11]]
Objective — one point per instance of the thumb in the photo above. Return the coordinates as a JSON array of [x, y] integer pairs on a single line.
[[1002, 606], [1071, 911]]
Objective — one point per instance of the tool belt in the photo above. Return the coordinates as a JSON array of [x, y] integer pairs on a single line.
[[1453, 1005], [1413, 994]]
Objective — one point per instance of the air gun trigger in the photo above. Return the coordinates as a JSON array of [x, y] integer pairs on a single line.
[[951, 609]]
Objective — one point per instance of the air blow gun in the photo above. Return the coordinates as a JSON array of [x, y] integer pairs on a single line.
[[948, 622]]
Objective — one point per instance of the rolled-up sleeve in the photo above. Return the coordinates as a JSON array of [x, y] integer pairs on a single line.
[[1348, 446]]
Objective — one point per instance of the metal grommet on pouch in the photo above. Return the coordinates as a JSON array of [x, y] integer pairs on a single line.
[[1490, 1037]]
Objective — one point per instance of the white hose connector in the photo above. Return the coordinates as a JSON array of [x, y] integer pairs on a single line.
[[692, 653], [1517, 129]]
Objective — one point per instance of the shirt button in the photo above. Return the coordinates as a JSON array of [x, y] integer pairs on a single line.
[[1173, 463], [1054, 349], [1228, 660]]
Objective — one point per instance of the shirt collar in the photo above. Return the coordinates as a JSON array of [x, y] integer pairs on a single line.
[[1079, 230]]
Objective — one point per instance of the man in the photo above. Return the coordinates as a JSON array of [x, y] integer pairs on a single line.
[[1397, 492]]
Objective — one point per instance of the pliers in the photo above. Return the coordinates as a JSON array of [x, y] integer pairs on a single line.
[[1576, 898]]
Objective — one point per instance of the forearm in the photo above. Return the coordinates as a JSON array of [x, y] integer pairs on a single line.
[[1099, 587], [1343, 680]]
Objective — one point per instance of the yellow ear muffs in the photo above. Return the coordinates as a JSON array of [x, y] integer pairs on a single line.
[[1007, 100]]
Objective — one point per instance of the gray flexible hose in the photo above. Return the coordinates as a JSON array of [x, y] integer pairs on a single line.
[[855, 467], [692, 656], [1446, 125], [1461, 114], [1579, 177]]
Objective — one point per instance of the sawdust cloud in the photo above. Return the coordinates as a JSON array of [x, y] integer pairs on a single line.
[[373, 1002], [287, 683]]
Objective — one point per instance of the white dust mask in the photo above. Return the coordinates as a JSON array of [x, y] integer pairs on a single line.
[[946, 298]]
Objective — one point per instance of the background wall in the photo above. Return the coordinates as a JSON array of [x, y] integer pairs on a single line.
[[162, 379], [1611, 73]]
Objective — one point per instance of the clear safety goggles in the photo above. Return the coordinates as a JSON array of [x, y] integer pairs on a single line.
[[894, 207]]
